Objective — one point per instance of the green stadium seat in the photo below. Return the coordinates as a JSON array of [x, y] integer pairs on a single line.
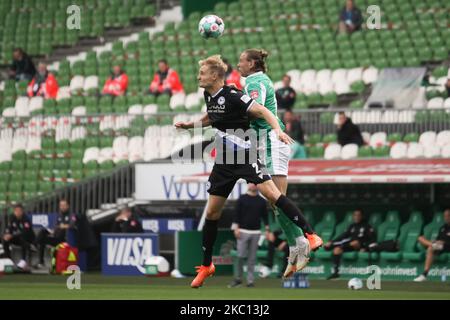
[[365, 152], [329, 138], [381, 152], [394, 137], [388, 230], [409, 232], [326, 229], [411, 137]]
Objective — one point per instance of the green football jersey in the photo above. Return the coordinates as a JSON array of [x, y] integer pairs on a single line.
[[260, 88]]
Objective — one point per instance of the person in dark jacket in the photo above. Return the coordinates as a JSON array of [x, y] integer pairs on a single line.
[[350, 19], [22, 67], [251, 210], [19, 231], [286, 95], [126, 223], [64, 222], [348, 132], [357, 237]]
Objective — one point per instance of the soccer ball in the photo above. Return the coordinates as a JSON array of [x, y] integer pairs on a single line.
[[355, 284], [211, 26], [157, 266], [264, 272]]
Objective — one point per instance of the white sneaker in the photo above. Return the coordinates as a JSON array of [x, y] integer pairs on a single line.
[[22, 264], [291, 266], [420, 278], [303, 252]]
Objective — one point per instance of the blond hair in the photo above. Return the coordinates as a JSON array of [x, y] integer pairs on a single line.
[[215, 64], [259, 56]]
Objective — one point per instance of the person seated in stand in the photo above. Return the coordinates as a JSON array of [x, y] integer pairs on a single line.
[[43, 84], [117, 83], [165, 80], [22, 66]]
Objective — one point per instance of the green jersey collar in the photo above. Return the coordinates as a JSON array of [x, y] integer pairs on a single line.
[[255, 74]]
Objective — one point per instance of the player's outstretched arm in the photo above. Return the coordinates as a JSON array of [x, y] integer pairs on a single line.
[[203, 122], [259, 111]]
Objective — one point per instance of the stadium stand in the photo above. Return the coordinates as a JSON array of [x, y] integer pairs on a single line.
[[81, 134]]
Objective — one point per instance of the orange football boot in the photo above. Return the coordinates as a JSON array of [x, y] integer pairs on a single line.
[[203, 272], [315, 242]]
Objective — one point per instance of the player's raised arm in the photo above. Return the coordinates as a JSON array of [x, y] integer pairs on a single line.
[[203, 122], [258, 111]]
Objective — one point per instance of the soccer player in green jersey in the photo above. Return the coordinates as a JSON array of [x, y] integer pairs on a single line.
[[275, 155]]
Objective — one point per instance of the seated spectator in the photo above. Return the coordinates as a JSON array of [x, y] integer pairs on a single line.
[[347, 131], [232, 76], [64, 222], [275, 242], [22, 67], [126, 223], [293, 126], [295, 131], [19, 231], [286, 95], [117, 83], [440, 245], [44, 84], [357, 237], [350, 19], [165, 80]]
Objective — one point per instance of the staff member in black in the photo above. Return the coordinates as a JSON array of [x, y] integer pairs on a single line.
[[440, 245], [228, 111], [126, 223], [64, 222], [18, 232], [357, 237], [251, 209], [286, 95]]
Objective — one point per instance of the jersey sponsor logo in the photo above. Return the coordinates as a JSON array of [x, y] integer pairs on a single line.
[[254, 94], [221, 100], [217, 108], [129, 252], [245, 98]]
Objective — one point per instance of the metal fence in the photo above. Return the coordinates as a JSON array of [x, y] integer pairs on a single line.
[[313, 121]]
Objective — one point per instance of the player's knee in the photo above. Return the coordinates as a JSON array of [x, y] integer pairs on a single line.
[[337, 251], [212, 215]]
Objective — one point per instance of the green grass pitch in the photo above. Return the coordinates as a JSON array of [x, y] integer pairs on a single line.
[[96, 286]]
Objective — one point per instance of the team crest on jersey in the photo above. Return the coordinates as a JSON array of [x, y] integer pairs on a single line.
[[254, 94], [221, 100], [245, 98]]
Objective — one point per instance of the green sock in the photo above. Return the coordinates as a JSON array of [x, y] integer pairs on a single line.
[[290, 238], [295, 230]]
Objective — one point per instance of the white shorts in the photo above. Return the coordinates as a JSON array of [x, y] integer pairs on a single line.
[[275, 154]]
